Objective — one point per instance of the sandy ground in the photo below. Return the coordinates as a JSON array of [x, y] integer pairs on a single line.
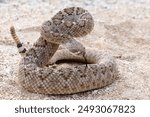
[[122, 27]]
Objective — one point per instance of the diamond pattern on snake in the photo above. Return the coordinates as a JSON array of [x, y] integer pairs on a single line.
[[40, 69]]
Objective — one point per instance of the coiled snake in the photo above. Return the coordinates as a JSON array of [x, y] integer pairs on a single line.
[[38, 70]]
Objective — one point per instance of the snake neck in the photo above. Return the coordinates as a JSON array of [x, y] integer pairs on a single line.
[[41, 52]]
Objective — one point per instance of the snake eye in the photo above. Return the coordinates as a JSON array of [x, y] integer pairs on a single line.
[[82, 23]]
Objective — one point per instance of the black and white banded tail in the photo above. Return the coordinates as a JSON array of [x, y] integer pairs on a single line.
[[22, 50]]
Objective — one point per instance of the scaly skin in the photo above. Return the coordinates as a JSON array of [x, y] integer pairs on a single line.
[[37, 76]]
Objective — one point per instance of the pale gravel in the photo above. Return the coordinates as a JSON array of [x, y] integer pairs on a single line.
[[121, 27]]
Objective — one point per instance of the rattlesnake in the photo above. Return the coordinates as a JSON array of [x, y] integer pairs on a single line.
[[39, 71]]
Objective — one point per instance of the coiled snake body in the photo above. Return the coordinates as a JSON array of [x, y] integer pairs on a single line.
[[35, 73]]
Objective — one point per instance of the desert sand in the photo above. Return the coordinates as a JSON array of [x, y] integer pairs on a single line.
[[122, 27]]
